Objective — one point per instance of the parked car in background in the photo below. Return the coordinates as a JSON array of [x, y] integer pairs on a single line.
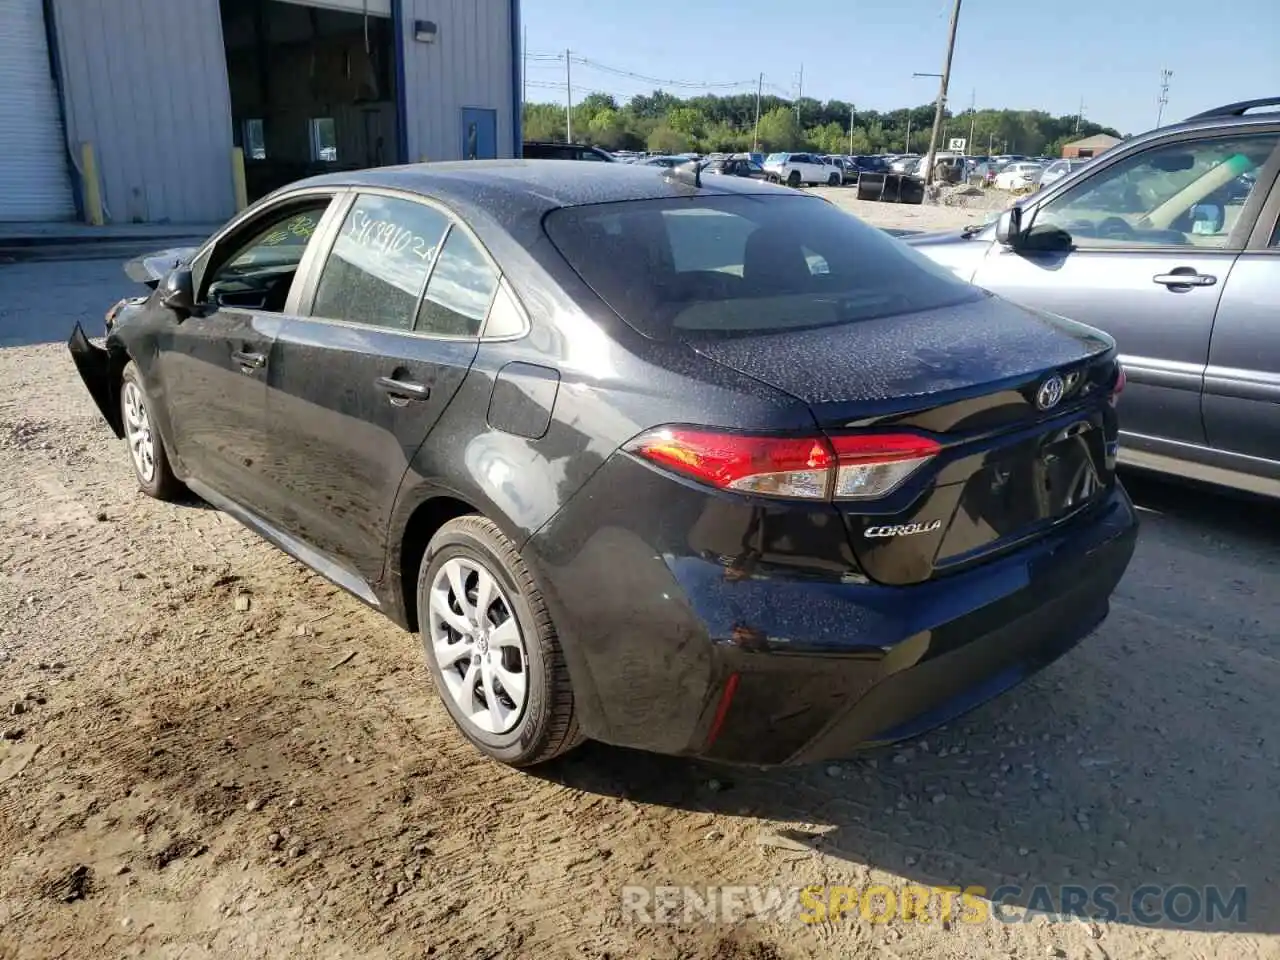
[[870, 164], [550, 150], [1171, 243], [848, 169], [796, 169], [736, 167], [597, 437], [1058, 169], [1020, 175], [900, 163], [984, 173], [661, 161]]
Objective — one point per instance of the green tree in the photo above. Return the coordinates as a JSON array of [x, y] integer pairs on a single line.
[[686, 121], [829, 138], [661, 121], [778, 129], [607, 128], [665, 140]]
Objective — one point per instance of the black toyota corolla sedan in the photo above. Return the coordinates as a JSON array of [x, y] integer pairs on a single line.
[[698, 466]]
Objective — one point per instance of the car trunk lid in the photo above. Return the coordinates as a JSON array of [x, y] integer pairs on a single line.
[[1018, 402]]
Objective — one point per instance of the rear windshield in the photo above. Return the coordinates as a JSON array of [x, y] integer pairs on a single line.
[[723, 266]]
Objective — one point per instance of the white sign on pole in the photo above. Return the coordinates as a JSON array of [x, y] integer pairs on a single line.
[[957, 144]]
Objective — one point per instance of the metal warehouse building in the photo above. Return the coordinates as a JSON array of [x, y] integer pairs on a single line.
[[154, 111]]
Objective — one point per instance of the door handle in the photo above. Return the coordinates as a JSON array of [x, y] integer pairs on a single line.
[[1188, 279], [402, 389], [247, 359]]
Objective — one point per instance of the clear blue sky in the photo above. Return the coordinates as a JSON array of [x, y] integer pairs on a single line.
[[1019, 54]]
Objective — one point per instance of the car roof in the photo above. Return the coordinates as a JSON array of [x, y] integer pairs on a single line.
[[1209, 121], [508, 188]]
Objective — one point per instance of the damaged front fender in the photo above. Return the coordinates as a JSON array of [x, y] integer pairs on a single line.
[[100, 370]]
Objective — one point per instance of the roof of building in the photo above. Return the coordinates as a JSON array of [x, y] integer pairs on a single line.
[[1097, 140]]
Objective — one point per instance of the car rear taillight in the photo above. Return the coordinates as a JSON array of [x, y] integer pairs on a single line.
[[1119, 386], [871, 465], [845, 467]]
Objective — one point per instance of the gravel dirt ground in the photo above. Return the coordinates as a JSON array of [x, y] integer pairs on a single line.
[[209, 751]]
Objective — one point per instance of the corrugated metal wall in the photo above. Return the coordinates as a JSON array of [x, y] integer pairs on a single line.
[[146, 82], [468, 65]]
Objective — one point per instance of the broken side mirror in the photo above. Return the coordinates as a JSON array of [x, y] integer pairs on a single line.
[[178, 291], [1009, 227]]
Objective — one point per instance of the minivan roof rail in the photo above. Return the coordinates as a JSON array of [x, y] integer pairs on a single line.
[[1237, 109]]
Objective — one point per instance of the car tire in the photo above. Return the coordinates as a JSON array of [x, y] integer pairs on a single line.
[[793, 178], [527, 727], [833, 180], [147, 455]]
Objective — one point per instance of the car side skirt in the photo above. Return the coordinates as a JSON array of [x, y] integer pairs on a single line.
[[1204, 464], [308, 556]]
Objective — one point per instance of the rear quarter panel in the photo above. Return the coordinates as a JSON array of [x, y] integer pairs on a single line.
[[612, 384]]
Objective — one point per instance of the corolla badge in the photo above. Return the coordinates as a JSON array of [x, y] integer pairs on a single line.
[[1050, 393], [903, 529]]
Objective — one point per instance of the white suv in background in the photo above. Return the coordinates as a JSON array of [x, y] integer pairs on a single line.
[[795, 169]]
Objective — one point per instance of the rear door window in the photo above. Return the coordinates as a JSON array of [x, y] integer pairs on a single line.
[[460, 290], [725, 266], [378, 265]]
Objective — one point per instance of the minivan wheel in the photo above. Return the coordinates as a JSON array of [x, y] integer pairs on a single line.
[[146, 450], [793, 179], [491, 646]]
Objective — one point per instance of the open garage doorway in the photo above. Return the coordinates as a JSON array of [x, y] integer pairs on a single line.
[[311, 87]]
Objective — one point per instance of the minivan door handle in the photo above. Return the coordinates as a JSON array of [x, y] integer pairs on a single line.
[[402, 389], [1188, 279]]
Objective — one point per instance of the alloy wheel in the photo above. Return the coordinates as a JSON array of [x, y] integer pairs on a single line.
[[137, 430], [478, 646]]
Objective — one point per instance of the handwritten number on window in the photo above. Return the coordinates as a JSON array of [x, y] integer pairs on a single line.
[[387, 237]]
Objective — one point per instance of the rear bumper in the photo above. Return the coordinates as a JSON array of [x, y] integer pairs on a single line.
[[654, 630]]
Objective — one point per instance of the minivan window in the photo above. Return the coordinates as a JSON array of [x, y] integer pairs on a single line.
[[380, 262], [732, 265]]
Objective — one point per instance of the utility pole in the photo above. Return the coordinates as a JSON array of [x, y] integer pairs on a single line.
[[568, 93], [524, 72], [908, 150], [755, 140], [1164, 94], [942, 95], [973, 122], [799, 97], [851, 129]]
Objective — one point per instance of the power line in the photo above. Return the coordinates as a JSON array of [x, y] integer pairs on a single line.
[[557, 58]]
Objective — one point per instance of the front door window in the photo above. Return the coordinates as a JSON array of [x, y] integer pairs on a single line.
[[1188, 194], [259, 271]]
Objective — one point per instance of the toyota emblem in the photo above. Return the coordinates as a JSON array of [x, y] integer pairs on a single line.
[[1050, 393]]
